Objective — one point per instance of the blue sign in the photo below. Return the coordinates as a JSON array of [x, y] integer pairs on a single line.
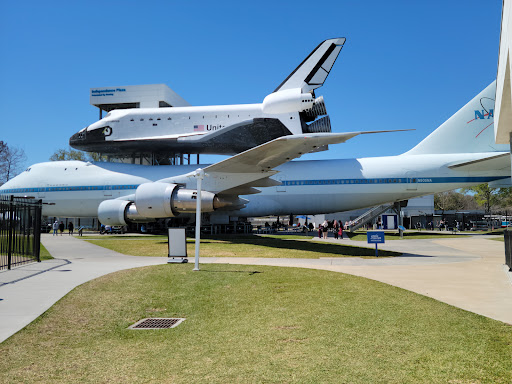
[[375, 237]]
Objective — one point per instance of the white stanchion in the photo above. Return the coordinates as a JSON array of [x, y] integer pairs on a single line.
[[199, 175]]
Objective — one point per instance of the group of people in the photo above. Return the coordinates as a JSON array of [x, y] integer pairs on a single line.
[[336, 226], [59, 227]]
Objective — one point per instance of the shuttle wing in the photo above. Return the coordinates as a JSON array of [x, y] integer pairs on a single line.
[[313, 71]]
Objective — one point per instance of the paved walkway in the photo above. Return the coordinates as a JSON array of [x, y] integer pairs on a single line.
[[28, 291], [466, 272]]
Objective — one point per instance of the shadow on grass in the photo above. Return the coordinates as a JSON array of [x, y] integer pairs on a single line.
[[250, 273], [298, 245]]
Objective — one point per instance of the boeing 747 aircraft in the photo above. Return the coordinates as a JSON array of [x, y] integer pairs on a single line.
[[291, 109], [263, 181]]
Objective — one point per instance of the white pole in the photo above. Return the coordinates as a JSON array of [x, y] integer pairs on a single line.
[[199, 176]]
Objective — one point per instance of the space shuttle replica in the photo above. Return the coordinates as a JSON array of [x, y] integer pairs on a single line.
[[291, 109]]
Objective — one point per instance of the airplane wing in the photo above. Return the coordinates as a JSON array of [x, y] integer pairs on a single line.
[[245, 170], [278, 151], [313, 71], [222, 183]]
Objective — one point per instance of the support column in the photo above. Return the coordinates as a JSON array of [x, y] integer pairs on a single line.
[[199, 175]]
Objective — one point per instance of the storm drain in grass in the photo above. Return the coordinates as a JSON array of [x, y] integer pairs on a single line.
[[156, 323]]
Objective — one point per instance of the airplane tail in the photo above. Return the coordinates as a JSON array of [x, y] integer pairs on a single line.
[[469, 130], [313, 71]]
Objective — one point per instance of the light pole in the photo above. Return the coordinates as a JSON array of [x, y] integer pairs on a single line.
[[199, 175]]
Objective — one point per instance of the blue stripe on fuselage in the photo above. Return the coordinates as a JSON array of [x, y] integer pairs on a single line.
[[396, 180], [289, 183], [77, 188]]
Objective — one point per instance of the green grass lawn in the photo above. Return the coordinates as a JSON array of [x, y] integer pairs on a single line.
[[43, 253], [253, 324], [240, 246]]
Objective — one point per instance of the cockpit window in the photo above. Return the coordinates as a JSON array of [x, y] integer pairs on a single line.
[[28, 169]]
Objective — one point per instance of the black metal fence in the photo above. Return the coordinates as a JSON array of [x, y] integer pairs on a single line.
[[20, 231], [508, 248]]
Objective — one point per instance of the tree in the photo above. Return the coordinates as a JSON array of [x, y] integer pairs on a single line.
[[486, 196], [71, 154], [451, 200], [68, 154], [12, 161], [505, 197]]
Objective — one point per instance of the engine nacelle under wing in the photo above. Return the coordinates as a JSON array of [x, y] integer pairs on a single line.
[[113, 212], [156, 200]]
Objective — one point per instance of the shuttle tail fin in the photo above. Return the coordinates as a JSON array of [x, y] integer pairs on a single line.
[[469, 130], [313, 71]]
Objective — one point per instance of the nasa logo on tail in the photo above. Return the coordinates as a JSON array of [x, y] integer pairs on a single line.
[[486, 113]]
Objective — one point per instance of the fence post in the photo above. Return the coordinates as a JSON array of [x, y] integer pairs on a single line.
[[37, 231], [508, 248], [10, 233]]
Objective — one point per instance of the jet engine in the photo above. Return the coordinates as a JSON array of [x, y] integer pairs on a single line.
[[290, 100], [159, 200]]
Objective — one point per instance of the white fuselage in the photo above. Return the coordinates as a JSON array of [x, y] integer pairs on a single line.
[[75, 189], [177, 122], [221, 129]]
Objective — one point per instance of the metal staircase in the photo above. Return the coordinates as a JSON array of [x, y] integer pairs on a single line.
[[371, 214]]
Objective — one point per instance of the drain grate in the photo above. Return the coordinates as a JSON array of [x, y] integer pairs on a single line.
[[156, 323]]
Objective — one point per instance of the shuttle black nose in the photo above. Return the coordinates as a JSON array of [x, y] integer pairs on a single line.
[[77, 139]]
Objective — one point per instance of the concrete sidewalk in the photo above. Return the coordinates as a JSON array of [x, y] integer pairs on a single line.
[[466, 272], [28, 291]]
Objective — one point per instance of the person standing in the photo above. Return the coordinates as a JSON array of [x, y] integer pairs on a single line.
[[325, 228], [55, 227], [61, 227], [71, 228], [336, 228]]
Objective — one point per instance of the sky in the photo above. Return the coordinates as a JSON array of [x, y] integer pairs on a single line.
[[405, 64]]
